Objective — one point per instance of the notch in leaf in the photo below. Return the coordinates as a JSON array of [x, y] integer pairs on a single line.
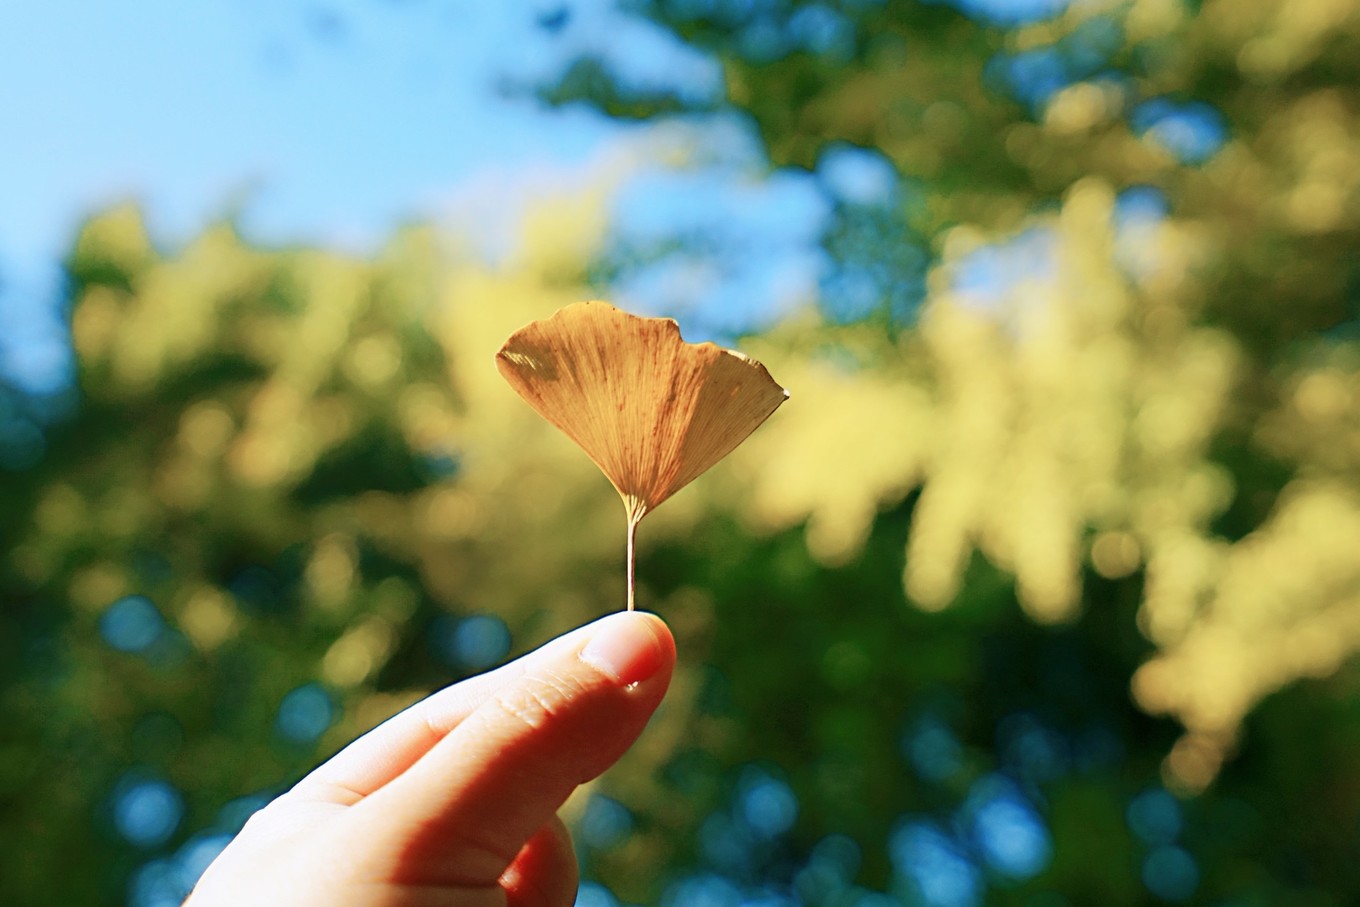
[[651, 410]]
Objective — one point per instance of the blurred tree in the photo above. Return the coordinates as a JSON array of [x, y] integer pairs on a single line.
[[1123, 404], [1137, 347], [1134, 367], [298, 495]]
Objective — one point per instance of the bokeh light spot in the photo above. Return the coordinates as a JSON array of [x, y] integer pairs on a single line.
[[932, 750], [1030, 748], [305, 713], [131, 624], [1033, 76], [474, 643], [724, 842], [767, 804], [1154, 816], [830, 870], [146, 810], [1008, 831], [1170, 873], [1138, 206], [157, 884], [821, 30], [593, 894], [838, 854], [167, 881], [605, 823], [1115, 554], [193, 858], [236, 812], [934, 864], [1192, 132], [704, 890]]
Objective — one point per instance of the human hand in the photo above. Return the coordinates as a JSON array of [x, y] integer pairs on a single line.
[[454, 801]]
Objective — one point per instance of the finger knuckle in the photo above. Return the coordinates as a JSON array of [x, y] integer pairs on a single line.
[[541, 701]]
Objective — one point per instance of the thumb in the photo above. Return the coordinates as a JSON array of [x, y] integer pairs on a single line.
[[460, 815]]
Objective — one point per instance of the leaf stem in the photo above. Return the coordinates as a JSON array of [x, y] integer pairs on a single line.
[[632, 558]]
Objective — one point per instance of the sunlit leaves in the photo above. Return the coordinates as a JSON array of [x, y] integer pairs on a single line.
[[1068, 417]]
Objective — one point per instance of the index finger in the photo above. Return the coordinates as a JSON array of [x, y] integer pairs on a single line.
[[392, 747]]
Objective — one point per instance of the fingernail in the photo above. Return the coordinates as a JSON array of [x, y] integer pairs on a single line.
[[627, 647]]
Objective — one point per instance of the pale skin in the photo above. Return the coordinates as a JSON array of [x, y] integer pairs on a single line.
[[453, 802]]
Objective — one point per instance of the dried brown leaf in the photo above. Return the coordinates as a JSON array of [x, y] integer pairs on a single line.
[[651, 410]]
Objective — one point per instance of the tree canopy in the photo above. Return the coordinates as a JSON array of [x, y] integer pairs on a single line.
[[1042, 589]]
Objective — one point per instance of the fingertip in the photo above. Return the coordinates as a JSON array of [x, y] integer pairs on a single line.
[[658, 626], [629, 647]]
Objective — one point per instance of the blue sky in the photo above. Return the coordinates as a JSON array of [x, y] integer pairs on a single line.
[[323, 125], [326, 125]]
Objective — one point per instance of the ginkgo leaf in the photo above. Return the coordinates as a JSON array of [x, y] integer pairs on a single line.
[[651, 410]]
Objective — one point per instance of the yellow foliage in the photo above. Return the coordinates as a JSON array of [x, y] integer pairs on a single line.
[[852, 441], [363, 648], [208, 617], [1069, 421], [1028, 421], [1278, 37], [117, 238], [1283, 603]]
